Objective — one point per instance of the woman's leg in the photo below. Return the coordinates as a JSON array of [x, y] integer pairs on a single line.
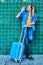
[[26, 43]]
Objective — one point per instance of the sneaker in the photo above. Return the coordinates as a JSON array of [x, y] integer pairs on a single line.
[[30, 57]]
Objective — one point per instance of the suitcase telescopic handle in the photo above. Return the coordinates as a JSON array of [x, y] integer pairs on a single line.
[[23, 35]]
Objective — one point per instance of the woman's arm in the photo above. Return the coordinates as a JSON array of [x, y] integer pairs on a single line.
[[18, 15], [32, 23], [28, 25]]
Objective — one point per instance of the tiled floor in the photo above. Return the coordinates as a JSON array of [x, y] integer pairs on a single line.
[[38, 60]]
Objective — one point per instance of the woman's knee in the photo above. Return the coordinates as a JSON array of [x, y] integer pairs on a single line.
[[30, 39]]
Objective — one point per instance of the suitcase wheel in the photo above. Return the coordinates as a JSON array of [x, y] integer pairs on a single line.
[[15, 60], [20, 60]]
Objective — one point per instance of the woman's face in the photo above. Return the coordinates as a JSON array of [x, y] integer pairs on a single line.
[[29, 8]]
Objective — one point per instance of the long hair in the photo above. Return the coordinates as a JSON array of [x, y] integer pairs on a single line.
[[32, 9]]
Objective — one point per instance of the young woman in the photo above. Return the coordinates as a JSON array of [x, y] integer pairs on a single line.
[[29, 18]]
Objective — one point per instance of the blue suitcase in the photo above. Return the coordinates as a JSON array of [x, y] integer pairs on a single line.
[[17, 50]]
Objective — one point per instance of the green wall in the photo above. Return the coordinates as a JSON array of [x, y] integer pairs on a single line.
[[10, 27]]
